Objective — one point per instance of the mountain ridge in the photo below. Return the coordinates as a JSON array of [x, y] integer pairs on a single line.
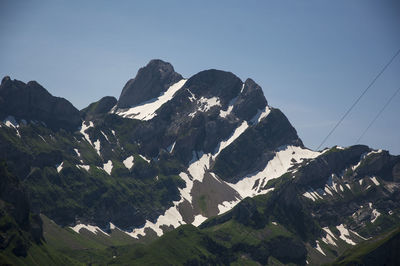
[[207, 148]]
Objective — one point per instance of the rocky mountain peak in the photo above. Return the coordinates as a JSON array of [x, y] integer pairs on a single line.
[[33, 102], [215, 83], [5, 80], [150, 81]]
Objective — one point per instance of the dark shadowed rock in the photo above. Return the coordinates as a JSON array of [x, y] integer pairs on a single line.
[[250, 100], [100, 107], [215, 83], [150, 81], [33, 102]]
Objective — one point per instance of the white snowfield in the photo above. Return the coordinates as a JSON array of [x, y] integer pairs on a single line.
[[147, 110], [128, 162], [82, 166], [319, 248], [345, 234], [91, 228], [108, 167], [84, 127], [276, 167]]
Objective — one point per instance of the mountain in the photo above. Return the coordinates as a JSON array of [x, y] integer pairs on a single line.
[[31, 102], [208, 151]]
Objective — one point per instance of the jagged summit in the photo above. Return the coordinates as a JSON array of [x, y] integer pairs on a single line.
[[31, 101], [150, 81]]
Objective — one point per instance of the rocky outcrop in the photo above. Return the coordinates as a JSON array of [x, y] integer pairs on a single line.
[[98, 108], [33, 102], [150, 81]]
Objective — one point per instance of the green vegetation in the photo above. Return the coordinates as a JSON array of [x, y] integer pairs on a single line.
[[382, 250]]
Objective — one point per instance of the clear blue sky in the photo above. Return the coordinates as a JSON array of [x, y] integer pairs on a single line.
[[312, 57]]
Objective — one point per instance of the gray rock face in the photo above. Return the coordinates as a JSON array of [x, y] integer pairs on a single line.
[[150, 81], [33, 102]]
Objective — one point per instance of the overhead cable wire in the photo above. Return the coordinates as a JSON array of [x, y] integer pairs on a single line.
[[378, 114], [359, 98]]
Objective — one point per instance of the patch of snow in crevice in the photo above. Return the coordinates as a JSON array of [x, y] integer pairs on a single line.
[[97, 146], [241, 90], [144, 158], [320, 249], [198, 219], [59, 167], [376, 182], [207, 103], [375, 213], [192, 97], [105, 136], [128, 162], [329, 240], [198, 167], [329, 232], [77, 152], [10, 121], [261, 114], [113, 132], [171, 147], [226, 206], [185, 192], [83, 131], [42, 138], [91, 228], [112, 226], [227, 112], [82, 166], [108, 167], [147, 110], [345, 234], [225, 143]]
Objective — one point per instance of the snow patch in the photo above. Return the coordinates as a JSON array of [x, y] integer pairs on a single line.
[[345, 234], [320, 249], [77, 152], [376, 182], [105, 136], [97, 146], [84, 127], [225, 143], [197, 168], [375, 213], [207, 103], [59, 167], [128, 162], [227, 112], [147, 110], [82, 166], [91, 228], [198, 219], [171, 147], [144, 158], [108, 167], [274, 169], [226, 206], [261, 114]]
